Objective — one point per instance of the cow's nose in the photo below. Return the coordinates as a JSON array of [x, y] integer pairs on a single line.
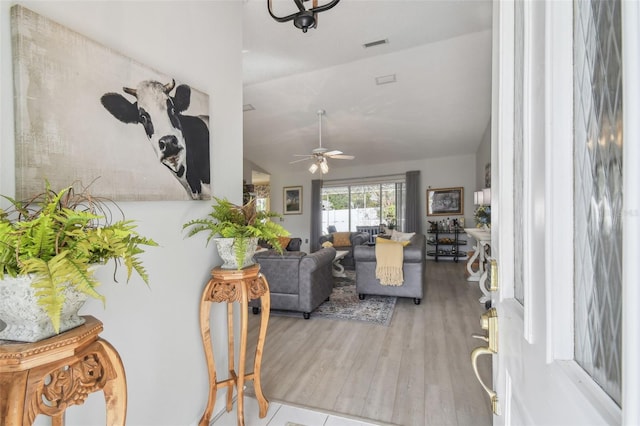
[[169, 145]]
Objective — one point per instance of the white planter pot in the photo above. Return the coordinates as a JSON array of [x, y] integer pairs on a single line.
[[227, 251], [23, 320]]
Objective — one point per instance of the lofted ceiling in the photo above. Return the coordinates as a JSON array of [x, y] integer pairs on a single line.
[[439, 105]]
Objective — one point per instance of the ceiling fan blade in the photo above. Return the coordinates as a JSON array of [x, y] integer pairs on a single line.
[[343, 157], [299, 160], [331, 153]]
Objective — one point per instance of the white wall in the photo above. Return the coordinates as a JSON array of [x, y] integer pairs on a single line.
[[434, 172], [155, 328]]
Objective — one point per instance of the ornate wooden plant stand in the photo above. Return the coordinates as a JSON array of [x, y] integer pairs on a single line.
[[227, 285], [48, 376]]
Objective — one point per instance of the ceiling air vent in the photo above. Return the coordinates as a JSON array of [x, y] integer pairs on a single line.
[[386, 79], [375, 43]]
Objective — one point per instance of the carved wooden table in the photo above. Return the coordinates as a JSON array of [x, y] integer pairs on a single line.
[[483, 239], [228, 285], [48, 376]]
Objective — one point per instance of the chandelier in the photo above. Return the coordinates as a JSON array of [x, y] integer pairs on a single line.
[[303, 19]]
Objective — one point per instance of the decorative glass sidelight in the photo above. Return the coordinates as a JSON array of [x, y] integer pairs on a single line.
[[518, 154], [598, 191]]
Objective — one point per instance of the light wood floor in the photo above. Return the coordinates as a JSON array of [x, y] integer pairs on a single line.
[[417, 371]]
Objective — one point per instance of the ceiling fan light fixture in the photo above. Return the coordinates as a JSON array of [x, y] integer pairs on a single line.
[[304, 18], [324, 166], [320, 154]]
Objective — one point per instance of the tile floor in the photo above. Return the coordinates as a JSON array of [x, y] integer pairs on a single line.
[[284, 415]]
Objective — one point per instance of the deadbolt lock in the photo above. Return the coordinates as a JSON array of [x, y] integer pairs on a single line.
[[493, 284], [489, 322]]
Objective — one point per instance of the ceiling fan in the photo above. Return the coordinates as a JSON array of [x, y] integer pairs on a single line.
[[320, 154]]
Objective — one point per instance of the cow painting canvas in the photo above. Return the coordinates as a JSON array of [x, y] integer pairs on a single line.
[[87, 114], [181, 142]]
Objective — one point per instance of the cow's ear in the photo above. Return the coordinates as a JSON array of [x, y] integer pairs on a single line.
[[120, 107], [182, 99]]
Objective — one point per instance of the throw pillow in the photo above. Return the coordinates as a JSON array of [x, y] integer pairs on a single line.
[[327, 244], [381, 240], [284, 242], [341, 239], [401, 236]]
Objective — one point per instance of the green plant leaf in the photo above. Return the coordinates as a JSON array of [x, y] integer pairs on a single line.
[[232, 221], [53, 276], [58, 237]]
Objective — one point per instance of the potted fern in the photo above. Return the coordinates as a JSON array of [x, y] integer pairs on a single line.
[[50, 247], [239, 229]]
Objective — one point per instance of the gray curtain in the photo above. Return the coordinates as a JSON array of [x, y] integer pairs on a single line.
[[316, 215], [413, 222]]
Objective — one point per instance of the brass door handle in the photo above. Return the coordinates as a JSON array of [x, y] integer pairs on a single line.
[[489, 322], [482, 350], [477, 336]]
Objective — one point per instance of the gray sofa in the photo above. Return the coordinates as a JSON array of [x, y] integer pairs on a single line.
[[297, 281], [413, 269], [294, 244], [356, 238]]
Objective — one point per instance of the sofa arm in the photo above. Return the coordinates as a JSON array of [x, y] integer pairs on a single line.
[[364, 253], [325, 238], [316, 279], [315, 260], [359, 238], [416, 250]]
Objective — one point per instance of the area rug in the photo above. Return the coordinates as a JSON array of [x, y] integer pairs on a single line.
[[344, 304]]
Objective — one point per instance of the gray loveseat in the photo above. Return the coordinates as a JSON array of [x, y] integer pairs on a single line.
[[297, 281], [413, 269], [356, 239]]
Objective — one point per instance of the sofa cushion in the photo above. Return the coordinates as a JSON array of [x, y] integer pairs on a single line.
[[380, 240], [342, 239], [284, 241], [287, 243], [401, 236]]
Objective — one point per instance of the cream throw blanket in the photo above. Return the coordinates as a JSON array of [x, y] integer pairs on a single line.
[[389, 259]]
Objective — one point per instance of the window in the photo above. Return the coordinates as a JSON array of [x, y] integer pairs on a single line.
[[363, 203], [598, 192], [263, 195]]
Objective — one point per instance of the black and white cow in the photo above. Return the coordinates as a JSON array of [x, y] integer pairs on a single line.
[[181, 142]]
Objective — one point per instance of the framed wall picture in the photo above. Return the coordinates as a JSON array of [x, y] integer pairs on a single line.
[[445, 201], [292, 200], [78, 120]]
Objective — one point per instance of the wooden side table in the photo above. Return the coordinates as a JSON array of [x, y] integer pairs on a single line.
[[228, 285], [62, 370]]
